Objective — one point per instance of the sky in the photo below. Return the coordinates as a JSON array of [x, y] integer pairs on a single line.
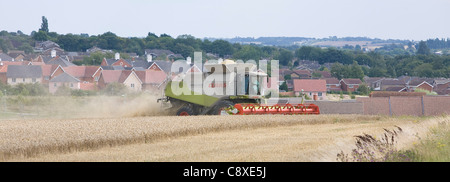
[[384, 19]]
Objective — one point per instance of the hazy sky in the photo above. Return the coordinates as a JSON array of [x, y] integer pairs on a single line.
[[395, 19]]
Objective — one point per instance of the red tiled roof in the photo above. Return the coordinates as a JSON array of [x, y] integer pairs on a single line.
[[309, 85], [352, 81], [47, 70], [151, 76], [110, 76], [4, 66], [81, 71], [124, 75], [303, 72], [332, 80]]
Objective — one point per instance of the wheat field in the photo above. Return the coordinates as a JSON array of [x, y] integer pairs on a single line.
[[171, 138]]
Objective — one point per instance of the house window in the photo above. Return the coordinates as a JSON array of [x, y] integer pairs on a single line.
[[54, 85], [96, 78], [23, 79], [14, 80], [132, 85], [310, 93], [71, 85], [350, 86], [34, 80], [320, 94]]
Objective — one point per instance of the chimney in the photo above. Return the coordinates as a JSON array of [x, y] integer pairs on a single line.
[[149, 58], [53, 53], [117, 56], [188, 60]]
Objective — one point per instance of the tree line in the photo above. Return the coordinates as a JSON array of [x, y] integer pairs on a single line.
[[389, 61]]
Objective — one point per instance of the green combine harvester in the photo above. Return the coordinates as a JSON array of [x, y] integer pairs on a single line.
[[226, 88]]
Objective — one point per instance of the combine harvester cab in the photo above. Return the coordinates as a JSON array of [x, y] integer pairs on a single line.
[[226, 88]]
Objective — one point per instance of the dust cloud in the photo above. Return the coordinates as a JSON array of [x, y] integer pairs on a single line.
[[98, 106]]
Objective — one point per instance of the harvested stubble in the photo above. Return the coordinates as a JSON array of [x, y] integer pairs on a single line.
[[28, 138]]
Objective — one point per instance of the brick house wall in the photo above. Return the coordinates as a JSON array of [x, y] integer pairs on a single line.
[[426, 87]]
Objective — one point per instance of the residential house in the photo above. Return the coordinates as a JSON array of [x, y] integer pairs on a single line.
[[112, 68], [373, 83], [117, 61], [5, 57], [165, 66], [162, 54], [17, 55], [126, 77], [152, 80], [333, 85], [4, 69], [390, 82], [45, 45], [302, 74], [421, 83], [60, 61], [315, 89], [50, 71], [65, 80], [24, 74], [350, 84], [442, 86], [86, 74]]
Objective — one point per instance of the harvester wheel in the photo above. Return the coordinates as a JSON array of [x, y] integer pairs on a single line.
[[219, 108], [185, 111]]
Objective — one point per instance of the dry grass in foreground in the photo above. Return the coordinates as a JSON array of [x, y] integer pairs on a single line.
[[30, 138]]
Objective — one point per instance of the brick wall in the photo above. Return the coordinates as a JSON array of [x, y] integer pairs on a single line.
[[336, 107], [406, 106], [432, 105], [412, 105], [375, 105], [436, 105]]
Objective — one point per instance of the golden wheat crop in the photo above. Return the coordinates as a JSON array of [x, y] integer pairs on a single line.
[[28, 138]]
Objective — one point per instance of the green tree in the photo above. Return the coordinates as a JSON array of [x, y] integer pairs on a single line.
[[285, 57], [316, 75], [222, 48], [424, 70], [284, 86], [26, 47], [423, 48], [41, 36], [44, 25], [248, 52], [363, 89], [4, 45], [356, 71]]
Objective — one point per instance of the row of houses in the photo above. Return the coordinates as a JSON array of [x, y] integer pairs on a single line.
[[401, 84], [409, 84], [55, 71]]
